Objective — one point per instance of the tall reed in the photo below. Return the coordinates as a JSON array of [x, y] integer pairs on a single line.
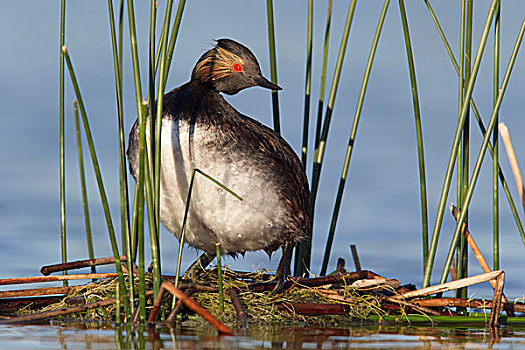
[[83, 188], [419, 132], [62, 181], [455, 147], [123, 181], [490, 128], [173, 36], [351, 139], [482, 128], [273, 65], [307, 85], [98, 176], [495, 156], [463, 154], [304, 250], [298, 253]]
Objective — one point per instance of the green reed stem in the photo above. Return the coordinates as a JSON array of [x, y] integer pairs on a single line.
[[153, 229], [98, 175], [117, 304], [139, 193], [482, 151], [454, 152], [463, 157], [331, 99], [504, 184], [351, 139], [495, 138], [219, 277], [173, 36], [304, 249], [298, 270], [158, 130], [120, 33], [323, 78], [151, 194], [143, 167], [87, 221], [150, 96], [140, 243], [123, 177], [135, 59], [134, 220], [273, 66], [461, 92], [308, 85], [186, 211], [419, 133], [62, 181]]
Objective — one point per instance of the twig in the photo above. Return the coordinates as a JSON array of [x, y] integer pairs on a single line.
[[241, 315], [198, 287], [156, 306], [178, 306], [192, 304], [49, 269]]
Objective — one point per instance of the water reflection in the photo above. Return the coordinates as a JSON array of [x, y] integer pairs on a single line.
[[187, 336]]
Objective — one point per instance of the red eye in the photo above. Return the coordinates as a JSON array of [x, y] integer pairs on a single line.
[[237, 67]]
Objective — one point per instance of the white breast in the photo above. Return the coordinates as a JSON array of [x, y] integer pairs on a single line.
[[215, 215]]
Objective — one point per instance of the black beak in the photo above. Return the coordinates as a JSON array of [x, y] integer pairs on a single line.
[[265, 83]]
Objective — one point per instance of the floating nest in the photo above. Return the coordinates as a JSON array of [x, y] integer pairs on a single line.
[[247, 298]]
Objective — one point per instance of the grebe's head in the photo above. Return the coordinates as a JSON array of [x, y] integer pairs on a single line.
[[230, 67]]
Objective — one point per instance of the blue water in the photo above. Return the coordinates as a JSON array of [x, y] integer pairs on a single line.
[[260, 337], [381, 208]]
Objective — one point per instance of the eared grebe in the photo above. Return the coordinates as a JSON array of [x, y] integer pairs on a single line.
[[200, 130]]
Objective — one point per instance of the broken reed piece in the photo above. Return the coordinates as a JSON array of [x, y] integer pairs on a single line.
[[470, 303], [315, 309], [49, 269], [191, 304], [39, 279], [376, 283], [441, 288], [241, 314], [422, 309], [61, 312], [334, 295], [39, 291], [45, 315], [316, 282], [504, 132], [340, 266], [497, 301], [357, 264], [475, 249], [499, 275]]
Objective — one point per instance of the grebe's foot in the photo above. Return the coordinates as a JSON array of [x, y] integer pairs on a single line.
[[198, 266], [283, 269]]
